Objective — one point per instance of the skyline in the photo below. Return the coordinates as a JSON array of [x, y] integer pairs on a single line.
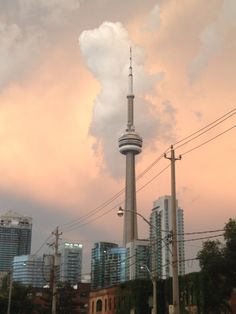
[[63, 88]]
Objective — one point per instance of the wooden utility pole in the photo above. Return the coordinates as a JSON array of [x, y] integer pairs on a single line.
[[175, 273], [10, 291], [53, 274]]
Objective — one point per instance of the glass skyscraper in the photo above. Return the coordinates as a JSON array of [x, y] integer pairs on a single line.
[[15, 238], [99, 255], [160, 238], [115, 266], [137, 257], [30, 270], [70, 262]]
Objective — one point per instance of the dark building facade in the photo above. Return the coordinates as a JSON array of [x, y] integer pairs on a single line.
[[99, 255], [15, 238]]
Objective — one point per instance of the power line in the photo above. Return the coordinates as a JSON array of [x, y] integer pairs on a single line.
[[211, 139], [203, 238], [75, 225], [45, 242], [113, 198], [201, 232], [204, 132], [118, 194], [231, 113]]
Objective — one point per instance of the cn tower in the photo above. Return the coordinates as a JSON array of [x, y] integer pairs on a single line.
[[130, 144]]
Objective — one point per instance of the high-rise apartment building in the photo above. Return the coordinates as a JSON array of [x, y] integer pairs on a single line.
[[15, 238], [98, 262], [30, 270], [115, 266], [160, 237], [70, 262], [138, 258]]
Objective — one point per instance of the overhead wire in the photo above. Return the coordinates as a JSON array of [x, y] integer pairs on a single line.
[[114, 197], [229, 113], [77, 225], [118, 194], [202, 238], [206, 142], [42, 245], [73, 224], [210, 128], [147, 183]]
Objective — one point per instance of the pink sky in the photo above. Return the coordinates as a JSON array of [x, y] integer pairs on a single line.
[[63, 86]]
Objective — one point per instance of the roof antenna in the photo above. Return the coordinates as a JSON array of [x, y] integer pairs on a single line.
[[130, 73]]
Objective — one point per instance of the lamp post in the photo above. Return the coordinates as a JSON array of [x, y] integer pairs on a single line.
[[154, 288], [120, 213], [10, 292]]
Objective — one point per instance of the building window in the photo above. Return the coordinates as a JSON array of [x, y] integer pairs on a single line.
[[109, 304], [99, 306]]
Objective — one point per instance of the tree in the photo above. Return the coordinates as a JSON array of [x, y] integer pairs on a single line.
[[218, 266], [66, 299], [21, 301], [230, 249]]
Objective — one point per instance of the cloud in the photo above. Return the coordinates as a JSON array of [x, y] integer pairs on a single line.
[[153, 21], [106, 50], [25, 29], [48, 12], [213, 38], [18, 51]]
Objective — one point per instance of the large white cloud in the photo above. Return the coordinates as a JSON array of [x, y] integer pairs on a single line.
[[213, 37], [106, 50], [26, 28], [18, 51]]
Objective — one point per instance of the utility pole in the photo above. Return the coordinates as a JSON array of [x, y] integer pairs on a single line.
[[175, 273], [10, 292], [154, 288], [53, 274]]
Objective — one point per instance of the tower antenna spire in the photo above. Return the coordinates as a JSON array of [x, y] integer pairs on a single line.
[[130, 73]]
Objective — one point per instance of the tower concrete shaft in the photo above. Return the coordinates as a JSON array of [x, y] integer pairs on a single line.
[[130, 144]]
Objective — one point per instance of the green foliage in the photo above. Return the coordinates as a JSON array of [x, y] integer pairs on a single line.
[[134, 295], [218, 265], [66, 299], [21, 301]]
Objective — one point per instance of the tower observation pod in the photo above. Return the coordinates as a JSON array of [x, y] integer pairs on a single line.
[[130, 144]]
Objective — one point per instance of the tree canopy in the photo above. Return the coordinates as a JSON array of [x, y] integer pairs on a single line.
[[218, 265]]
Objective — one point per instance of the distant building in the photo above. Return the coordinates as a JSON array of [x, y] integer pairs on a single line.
[[115, 266], [15, 238], [103, 301], [30, 270], [130, 297], [70, 262], [86, 278], [138, 258], [82, 298], [99, 254], [160, 236]]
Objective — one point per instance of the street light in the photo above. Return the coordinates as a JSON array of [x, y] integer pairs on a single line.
[[120, 213], [154, 288]]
